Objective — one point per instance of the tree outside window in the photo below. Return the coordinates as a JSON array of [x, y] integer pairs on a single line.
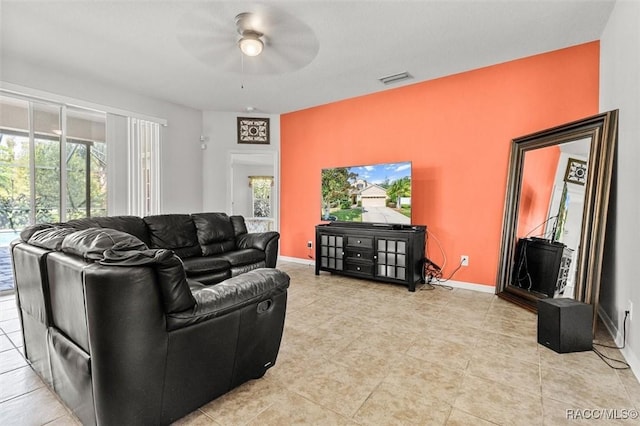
[[52, 163], [261, 187]]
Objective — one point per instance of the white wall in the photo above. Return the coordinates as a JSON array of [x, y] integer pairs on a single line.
[[620, 89], [181, 162], [220, 131]]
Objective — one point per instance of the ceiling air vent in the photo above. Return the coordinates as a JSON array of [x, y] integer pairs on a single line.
[[395, 78]]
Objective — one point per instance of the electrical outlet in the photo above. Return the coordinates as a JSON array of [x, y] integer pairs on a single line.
[[464, 260], [309, 244], [630, 309]]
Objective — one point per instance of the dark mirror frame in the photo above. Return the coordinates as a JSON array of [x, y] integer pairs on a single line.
[[602, 130]]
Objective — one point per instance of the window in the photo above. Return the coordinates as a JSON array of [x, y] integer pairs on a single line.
[[86, 160], [144, 167], [261, 187], [52, 162]]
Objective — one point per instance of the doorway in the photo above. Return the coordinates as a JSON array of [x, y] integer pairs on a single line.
[[254, 189]]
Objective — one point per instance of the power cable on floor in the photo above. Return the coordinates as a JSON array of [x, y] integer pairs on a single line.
[[607, 360]]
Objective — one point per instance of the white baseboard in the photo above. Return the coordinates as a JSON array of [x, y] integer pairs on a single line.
[[632, 360], [471, 286], [297, 260], [611, 327], [627, 353], [454, 284]]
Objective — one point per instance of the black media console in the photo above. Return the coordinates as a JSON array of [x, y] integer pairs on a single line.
[[381, 252]]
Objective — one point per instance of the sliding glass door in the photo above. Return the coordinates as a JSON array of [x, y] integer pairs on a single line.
[[45, 163], [15, 200], [86, 164], [52, 163]]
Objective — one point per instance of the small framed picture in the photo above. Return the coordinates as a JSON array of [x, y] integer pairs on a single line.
[[253, 130], [576, 171]]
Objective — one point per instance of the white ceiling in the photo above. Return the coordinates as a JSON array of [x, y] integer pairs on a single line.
[[179, 51]]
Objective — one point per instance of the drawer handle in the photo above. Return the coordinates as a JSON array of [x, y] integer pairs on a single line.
[[359, 241], [358, 254], [358, 268]]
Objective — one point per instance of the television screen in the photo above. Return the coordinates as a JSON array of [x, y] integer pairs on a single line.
[[378, 193]]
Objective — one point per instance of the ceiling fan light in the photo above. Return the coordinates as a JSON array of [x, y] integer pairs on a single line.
[[250, 43]]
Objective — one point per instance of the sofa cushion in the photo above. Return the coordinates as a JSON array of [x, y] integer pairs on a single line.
[[176, 293], [215, 233], [243, 257], [174, 232], [28, 231], [239, 226], [133, 225], [92, 242], [83, 223], [198, 265], [50, 238]]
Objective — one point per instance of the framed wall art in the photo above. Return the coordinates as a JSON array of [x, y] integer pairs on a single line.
[[576, 171], [253, 130]]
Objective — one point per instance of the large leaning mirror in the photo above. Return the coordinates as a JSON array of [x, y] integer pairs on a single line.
[[556, 212]]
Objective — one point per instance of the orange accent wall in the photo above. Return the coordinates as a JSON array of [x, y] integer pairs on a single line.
[[538, 178], [456, 130]]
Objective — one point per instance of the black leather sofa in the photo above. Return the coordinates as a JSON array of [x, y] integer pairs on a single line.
[[123, 335], [212, 246]]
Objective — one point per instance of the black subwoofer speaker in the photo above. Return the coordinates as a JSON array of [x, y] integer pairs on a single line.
[[564, 325]]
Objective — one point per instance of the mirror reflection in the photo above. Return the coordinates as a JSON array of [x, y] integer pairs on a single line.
[[549, 224]]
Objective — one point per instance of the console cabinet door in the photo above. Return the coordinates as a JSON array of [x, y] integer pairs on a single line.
[[332, 251], [392, 258]]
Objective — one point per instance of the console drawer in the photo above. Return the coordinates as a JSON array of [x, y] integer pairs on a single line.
[[353, 253], [362, 242], [359, 267]]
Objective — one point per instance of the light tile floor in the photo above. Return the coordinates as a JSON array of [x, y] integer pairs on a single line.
[[355, 352]]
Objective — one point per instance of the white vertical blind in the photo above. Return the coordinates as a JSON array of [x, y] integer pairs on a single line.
[[144, 167], [63, 163]]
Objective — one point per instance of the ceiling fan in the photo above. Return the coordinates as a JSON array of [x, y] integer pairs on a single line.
[[250, 42], [256, 39]]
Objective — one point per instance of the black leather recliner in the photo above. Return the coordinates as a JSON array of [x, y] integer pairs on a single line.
[[124, 337]]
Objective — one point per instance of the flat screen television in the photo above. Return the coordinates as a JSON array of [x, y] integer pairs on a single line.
[[376, 193]]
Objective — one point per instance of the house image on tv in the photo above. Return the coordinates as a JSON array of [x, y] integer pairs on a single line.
[[372, 196]]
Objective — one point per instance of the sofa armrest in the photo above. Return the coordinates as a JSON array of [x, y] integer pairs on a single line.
[[256, 240], [230, 295], [265, 241]]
